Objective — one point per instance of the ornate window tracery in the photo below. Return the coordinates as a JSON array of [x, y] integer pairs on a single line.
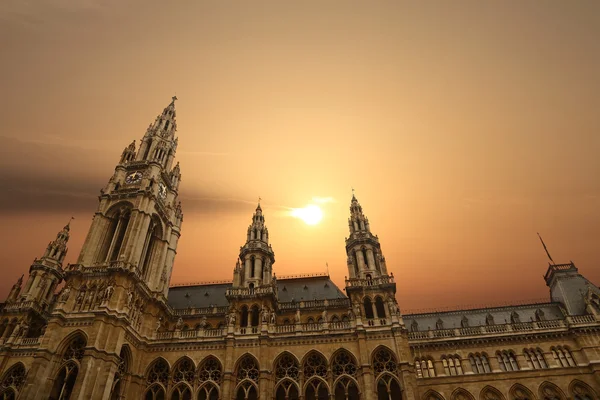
[[520, 392], [158, 373], [384, 360], [12, 381], [67, 374], [181, 391], [316, 389], [315, 365], [208, 391], [210, 370], [346, 389], [184, 371], [490, 393], [388, 388], [287, 367], [248, 369], [343, 364], [581, 391], [549, 391]]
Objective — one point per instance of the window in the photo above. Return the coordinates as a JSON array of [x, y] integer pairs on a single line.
[[66, 376], [535, 358], [425, 368], [439, 324], [247, 374], [157, 379], [368, 308], [12, 381], [452, 365], [343, 363], [379, 307], [414, 327], [563, 356], [479, 363], [507, 361]]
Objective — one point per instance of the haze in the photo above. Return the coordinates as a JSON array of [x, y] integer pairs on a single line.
[[465, 127]]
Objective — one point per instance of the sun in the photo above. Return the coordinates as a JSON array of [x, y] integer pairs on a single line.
[[311, 214]]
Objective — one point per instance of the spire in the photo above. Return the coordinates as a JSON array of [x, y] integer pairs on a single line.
[[546, 249], [357, 221]]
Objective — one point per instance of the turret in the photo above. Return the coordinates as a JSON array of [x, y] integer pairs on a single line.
[[15, 290], [254, 267]]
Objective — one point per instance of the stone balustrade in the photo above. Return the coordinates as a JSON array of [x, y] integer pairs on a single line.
[[380, 280]]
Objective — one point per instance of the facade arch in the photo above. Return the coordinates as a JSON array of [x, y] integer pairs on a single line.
[[182, 391], [210, 369], [72, 349], [121, 376], [156, 391], [491, 393], [549, 391], [388, 387], [316, 388], [582, 391], [346, 387], [432, 395], [383, 359], [520, 392], [13, 380], [158, 371], [343, 363], [286, 365], [209, 391], [461, 394], [314, 364], [247, 369], [287, 389], [247, 389], [184, 370]]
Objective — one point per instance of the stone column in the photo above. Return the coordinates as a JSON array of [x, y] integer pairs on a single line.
[[370, 259]]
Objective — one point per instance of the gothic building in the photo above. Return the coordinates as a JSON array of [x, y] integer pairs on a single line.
[[109, 326]]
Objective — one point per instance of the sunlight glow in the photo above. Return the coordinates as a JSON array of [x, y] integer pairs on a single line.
[[311, 214]]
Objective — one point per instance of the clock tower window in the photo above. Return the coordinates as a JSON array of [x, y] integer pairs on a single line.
[[116, 226], [153, 236]]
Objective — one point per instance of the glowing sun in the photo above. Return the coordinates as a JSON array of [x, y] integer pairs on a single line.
[[311, 214]]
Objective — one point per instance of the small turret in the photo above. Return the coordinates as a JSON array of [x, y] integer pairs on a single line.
[[15, 290]]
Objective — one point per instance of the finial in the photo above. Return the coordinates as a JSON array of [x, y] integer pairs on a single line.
[[68, 225], [546, 249], [174, 98]]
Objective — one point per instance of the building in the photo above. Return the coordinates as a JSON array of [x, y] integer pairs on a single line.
[[115, 330]]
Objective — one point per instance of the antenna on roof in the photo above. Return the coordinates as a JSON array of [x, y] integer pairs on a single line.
[[327, 265], [546, 249]]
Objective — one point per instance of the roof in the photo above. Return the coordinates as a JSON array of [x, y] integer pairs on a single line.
[[213, 294], [477, 317]]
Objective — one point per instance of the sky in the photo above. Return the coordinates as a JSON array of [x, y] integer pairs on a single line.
[[464, 127]]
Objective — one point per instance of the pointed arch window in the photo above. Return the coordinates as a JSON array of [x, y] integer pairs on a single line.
[[120, 375], [507, 361], [479, 363], [118, 221], [452, 365], [365, 258], [563, 356], [388, 388], [247, 375], [12, 382], [368, 308], [379, 307], [150, 249], [316, 389], [67, 374], [287, 375], [255, 315], [157, 380], [184, 371], [315, 365], [425, 368], [244, 317], [346, 389], [535, 358]]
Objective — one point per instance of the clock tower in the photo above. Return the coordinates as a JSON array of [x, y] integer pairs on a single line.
[[138, 222]]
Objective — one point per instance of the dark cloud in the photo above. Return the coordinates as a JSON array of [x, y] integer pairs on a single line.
[[50, 177]]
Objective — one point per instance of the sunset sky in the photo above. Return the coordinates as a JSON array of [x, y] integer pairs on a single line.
[[465, 127]]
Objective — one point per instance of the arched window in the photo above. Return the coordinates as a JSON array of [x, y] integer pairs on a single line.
[[120, 375], [247, 375], [346, 389], [287, 374], [452, 365], [515, 318], [549, 391], [181, 391], [364, 252], [379, 307], [244, 317], [520, 392], [118, 220], [368, 308], [439, 324], [67, 374], [425, 368], [343, 363], [479, 363], [507, 360], [491, 393], [314, 365], [183, 371], [388, 388], [12, 382], [581, 391], [563, 356], [316, 389], [255, 315], [151, 245], [535, 358], [489, 319], [210, 374], [157, 379], [384, 361], [461, 394]]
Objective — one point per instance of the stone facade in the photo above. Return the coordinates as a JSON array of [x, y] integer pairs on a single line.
[[115, 330]]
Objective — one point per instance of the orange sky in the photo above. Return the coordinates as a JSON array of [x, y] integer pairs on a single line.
[[465, 127]]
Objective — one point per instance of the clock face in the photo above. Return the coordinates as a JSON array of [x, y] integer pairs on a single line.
[[133, 177], [162, 191]]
